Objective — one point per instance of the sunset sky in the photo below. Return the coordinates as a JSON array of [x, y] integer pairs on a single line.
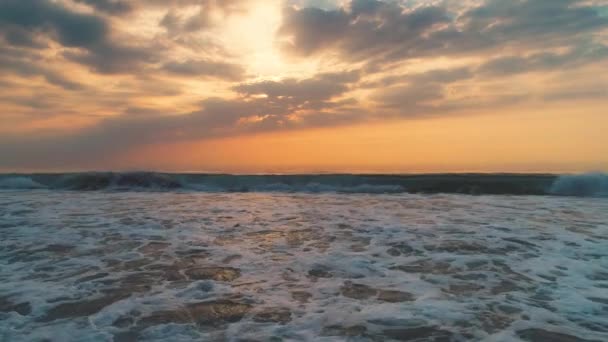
[[250, 86]]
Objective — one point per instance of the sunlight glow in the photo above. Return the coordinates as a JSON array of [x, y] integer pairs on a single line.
[[252, 34]]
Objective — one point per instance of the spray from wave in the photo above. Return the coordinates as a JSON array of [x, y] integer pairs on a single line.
[[587, 185]]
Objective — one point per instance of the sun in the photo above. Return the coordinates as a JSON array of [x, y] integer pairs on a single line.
[[251, 35]]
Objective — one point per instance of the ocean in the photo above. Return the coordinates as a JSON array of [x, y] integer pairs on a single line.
[[166, 257]]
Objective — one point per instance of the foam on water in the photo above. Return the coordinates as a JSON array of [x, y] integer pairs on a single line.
[[122, 266]]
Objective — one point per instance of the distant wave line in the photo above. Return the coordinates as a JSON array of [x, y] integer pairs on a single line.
[[585, 185]]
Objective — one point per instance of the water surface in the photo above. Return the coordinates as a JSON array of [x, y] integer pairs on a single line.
[[183, 266]]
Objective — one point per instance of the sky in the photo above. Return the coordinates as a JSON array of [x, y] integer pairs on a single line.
[[255, 86]]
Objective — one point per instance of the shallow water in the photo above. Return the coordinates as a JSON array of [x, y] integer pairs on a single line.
[[155, 266]]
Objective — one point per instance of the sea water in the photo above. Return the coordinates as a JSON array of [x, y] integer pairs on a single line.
[[292, 266]]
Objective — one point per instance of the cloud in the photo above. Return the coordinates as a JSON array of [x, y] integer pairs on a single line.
[[89, 34], [443, 76], [206, 68], [530, 20], [116, 7], [177, 23], [216, 117], [313, 29], [544, 61], [577, 93], [387, 31], [20, 37], [107, 57], [28, 65], [319, 88], [70, 28], [361, 30], [159, 81], [409, 96]]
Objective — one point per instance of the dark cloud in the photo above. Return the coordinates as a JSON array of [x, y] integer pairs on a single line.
[[442, 76], [290, 95], [320, 88], [28, 65], [409, 96], [314, 29], [20, 37], [502, 67], [532, 20], [544, 61], [86, 36], [70, 28], [430, 99], [428, 94], [108, 57], [177, 24], [386, 31], [206, 68], [117, 7], [216, 117], [60, 80], [577, 93], [360, 30], [366, 7], [34, 102]]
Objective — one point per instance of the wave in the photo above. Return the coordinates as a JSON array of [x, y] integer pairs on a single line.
[[590, 185], [338, 183], [587, 185], [277, 183], [117, 181], [19, 183]]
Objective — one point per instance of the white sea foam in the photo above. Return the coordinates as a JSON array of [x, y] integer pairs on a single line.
[[467, 268]]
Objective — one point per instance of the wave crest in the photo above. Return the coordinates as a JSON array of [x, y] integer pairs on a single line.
[[587, 185], [19, 183], [117, 181]]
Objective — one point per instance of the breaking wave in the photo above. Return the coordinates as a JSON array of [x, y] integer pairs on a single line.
[[338, 183], [588, 185], [117, 181], [19, 183]]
